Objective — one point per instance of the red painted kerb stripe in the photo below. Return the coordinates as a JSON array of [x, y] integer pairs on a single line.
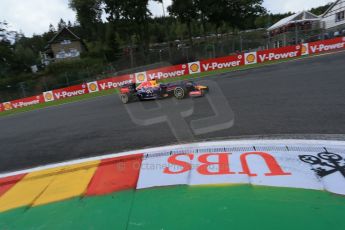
[[8, 182], [115, 174]]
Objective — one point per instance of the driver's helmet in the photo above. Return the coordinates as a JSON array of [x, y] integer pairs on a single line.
[[148, 84], [154, 83]]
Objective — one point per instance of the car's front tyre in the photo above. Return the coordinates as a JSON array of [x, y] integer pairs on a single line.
[[180, 92]]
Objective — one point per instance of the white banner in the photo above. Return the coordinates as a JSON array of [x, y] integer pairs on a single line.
[[294, 169]]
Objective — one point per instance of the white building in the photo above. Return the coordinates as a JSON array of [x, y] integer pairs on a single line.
[[295, 29], [334, 18]]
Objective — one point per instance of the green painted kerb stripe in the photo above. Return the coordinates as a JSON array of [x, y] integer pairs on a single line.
[[183, 207]]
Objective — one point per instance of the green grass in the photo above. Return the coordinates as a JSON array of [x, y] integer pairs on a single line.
[[114, 91], [242, 207]]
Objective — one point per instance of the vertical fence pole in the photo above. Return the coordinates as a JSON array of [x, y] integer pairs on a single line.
[[296, 34], [241, 43], [67, 80], [22, 87]]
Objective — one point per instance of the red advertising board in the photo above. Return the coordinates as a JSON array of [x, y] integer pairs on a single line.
[[20, 103], [71, 91], [167, 72], [24, 102], [221, 63], [327, 45], [115, 82], [278, 53]]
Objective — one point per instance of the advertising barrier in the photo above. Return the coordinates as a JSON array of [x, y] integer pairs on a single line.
[[71, 91], [228, 62], [326, 45], [20, 103], [115, 82], [278, 53], [23, 102], [222, 63], [167, 72]]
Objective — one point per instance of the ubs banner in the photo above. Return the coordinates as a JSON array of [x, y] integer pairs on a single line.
[[319, 170]]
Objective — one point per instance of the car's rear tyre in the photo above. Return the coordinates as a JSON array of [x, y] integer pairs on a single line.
[[180, 92], [124, 98]]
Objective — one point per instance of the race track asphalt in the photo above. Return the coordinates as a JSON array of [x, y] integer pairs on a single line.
[[299, 97]]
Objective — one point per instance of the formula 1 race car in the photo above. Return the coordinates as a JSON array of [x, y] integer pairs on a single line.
[[152, 90]]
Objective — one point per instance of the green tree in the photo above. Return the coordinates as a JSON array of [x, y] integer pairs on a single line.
[[89, 14], [6, 51], [321, 9], [235, 13], [186, 11], [135, 14], [61, 24]]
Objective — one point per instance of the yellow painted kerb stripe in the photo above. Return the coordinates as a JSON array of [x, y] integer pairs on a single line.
[[28, 189], [71, 182], [48, 186]]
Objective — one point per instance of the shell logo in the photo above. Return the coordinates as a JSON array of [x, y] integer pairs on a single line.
[[194, 67], [304, 49], [48, 96], [141, 77], [92, 86], [250, 58], [7, 106]]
